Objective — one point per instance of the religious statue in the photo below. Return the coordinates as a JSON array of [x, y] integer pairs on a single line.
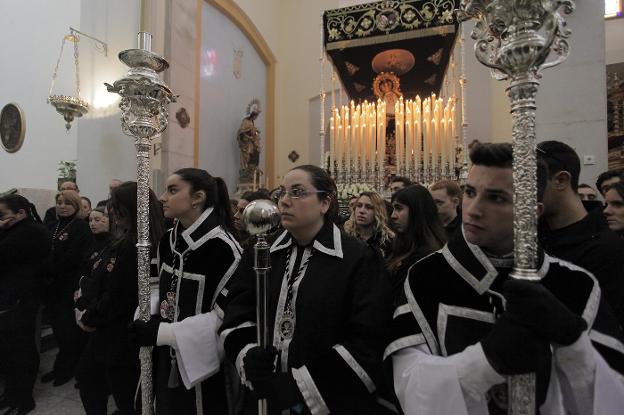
[[248, 137], [387, 87]]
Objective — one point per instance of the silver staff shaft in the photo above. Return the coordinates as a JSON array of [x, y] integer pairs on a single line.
[[144, 100], [262, 264], [260, 217]]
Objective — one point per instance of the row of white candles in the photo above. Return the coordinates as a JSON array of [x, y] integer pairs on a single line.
[[424, 131], [358, 133]]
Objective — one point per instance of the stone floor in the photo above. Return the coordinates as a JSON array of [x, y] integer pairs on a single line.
[[55, 400], [60, 400]]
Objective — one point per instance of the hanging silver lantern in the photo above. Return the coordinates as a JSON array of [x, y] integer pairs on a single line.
[[70, 107]]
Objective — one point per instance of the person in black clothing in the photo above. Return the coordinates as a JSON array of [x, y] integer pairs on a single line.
[[241, 233], [50, 215], [369, 223], [447, 197], [25, 247], [463, 323], [110, 362], [72, 244], [569, 232], [399, 182], [325, 314], [419, 231], [89, 287], [197, 259], [607, 178], [586, 193], [614, 208]]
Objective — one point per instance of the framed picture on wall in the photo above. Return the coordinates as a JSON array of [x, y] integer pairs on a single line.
[[12, 127]]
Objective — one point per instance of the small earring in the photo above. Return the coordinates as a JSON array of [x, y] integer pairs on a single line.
[[194, 206]]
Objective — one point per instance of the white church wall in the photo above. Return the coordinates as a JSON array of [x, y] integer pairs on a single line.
[[572, 101], [32, 32], [223, 98], [104, 152], [614, 40]]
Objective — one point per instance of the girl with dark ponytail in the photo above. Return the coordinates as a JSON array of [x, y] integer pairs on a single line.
[[25, 248], [196, 259]]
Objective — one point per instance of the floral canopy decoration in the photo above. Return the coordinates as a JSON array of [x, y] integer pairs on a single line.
[[426, 29]]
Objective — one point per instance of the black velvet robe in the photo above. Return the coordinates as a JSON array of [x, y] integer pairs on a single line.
[[452, 298], [335, 351], [204, 257]]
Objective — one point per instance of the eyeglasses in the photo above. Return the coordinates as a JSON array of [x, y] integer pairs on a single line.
[[295, 193]]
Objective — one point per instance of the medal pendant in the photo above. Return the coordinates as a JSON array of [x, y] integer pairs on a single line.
[[168, 306], [287, 325], [164, 306], [171, 300]]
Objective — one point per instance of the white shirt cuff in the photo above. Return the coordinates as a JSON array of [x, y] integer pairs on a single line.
[[166, 337], [476, 375]]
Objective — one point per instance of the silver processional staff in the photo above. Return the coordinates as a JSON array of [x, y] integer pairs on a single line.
[[261, 217]]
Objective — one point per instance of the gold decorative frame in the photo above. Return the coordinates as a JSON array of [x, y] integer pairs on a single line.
[[22, 128]]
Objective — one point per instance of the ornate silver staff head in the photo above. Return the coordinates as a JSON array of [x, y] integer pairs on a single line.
[[144, 97], [515, 38], [261, 216]]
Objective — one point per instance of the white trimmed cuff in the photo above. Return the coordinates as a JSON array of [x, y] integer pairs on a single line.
[[240, 364]]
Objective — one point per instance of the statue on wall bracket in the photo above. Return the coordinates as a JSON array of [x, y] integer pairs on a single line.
[[248, 138]]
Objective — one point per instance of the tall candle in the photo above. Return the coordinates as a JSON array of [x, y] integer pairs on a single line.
[[417, 133], [435, 145], [427, 132], [453, 136], [332, 142]]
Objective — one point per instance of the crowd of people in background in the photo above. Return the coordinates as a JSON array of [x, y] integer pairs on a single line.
[[409, 285]]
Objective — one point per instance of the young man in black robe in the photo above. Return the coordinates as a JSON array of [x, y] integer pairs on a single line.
[[464, 324], [568, 231]]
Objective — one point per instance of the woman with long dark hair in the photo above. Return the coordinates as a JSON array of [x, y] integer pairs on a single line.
[[110, 363], [419, 231], [72, 245], [197, 258], [325, 317], [25, 247]]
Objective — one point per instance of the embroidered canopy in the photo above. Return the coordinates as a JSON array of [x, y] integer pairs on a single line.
[[411, 38]]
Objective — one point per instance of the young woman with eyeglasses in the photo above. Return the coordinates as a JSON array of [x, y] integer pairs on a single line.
[[325, 325]]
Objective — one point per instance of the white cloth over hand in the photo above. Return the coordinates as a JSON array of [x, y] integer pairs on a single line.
[[581, 382], [199, 349]]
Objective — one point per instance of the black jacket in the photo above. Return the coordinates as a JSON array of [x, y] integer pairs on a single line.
[[25, 251], [453, 225], [112, 298], [204, 258], [72, 245], [452, 298], [337, 342], [590, 244]]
